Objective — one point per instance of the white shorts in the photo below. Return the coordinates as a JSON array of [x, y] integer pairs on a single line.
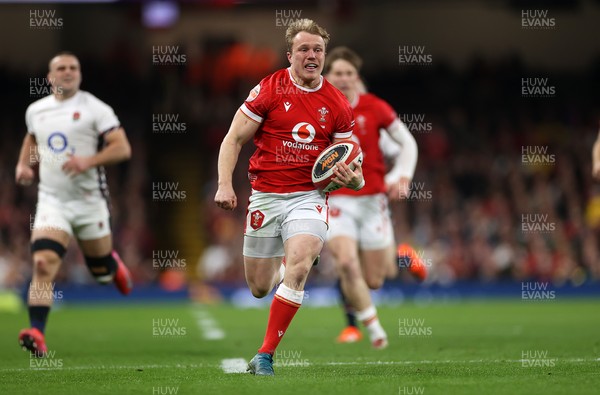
[[365, 219], [272, 218], [85, 219]]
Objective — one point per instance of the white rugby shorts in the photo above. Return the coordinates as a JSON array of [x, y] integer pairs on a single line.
[[366, 219], [86, 219], [272, 218]]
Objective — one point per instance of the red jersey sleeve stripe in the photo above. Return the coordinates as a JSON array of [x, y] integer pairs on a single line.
[[246, 111]]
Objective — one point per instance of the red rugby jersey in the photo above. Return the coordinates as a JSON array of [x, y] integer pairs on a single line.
[[296, 124]]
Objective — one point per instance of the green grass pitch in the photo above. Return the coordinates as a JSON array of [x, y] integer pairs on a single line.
[[470, 347]]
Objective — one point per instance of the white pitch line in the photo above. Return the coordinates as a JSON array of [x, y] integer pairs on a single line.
[[425, 362], [234, 365], [117, 367], [208, 326], [196, 366]]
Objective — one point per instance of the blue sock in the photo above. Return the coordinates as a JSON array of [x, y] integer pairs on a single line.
[[38, 315]]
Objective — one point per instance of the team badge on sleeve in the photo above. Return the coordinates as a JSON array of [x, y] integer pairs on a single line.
[[254, 93]]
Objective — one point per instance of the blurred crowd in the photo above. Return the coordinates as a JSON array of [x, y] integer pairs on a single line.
[[485, 205]]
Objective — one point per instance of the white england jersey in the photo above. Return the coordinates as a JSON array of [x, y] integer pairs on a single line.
[[74, 126]]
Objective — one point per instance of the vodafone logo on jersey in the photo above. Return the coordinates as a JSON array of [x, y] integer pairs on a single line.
[[294, 152], [303, 132]]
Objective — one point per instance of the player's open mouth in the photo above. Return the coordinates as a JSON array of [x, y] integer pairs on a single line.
[[311, 66]]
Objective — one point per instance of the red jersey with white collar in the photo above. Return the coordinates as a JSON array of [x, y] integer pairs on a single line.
[[296, 124], [371, 114]]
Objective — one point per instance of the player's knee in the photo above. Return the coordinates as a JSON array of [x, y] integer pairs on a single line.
[[259, 290], [374, 282], [47, 254], [44, 264], [348, 267], [102, 268], [299, 272]]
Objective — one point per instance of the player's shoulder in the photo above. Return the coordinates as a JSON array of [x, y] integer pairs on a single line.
[[275, 79], [267, 85], [371, 99], [40, 104], [375, 104], [88, 99]]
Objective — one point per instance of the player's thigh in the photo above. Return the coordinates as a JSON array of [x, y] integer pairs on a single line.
[[262, 259], [376, 231], [303, 247], [392, 261], [344, 250], [375, 266], [96, 248], [56, 235], [300, 253], [263, 246], [91, 226], [343, 215], [50, 235], [304, 228], [51, 221], [261, 269]]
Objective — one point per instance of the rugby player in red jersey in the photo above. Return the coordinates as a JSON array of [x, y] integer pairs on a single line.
[[292, 115], [361, 236]]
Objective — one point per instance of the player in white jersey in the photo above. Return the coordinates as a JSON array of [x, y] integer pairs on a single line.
[[71, 134]]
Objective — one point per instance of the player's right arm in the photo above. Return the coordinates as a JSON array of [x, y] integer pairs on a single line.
[[24, 173], [241, 130]]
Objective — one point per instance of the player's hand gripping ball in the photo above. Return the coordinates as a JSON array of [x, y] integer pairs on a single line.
[[322, 172]]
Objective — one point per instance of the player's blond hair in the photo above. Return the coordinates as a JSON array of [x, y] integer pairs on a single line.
[[343, 53], [304, 25]]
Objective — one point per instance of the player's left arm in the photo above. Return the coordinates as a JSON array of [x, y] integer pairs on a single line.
[[116, 149], [398, 179]]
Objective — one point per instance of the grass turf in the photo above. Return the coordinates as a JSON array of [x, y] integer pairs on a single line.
[[501, 347]]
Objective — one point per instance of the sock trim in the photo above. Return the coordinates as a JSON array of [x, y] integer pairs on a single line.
[[289, 296], [367, 315]]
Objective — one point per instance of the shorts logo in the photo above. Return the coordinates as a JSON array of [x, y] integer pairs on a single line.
[[319, 208], [334, 212], [256, 219]]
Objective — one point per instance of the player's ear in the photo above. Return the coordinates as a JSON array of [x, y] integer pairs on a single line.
[[289, 56]]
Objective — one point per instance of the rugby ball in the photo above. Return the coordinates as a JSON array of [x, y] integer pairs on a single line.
[[322, 171]]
